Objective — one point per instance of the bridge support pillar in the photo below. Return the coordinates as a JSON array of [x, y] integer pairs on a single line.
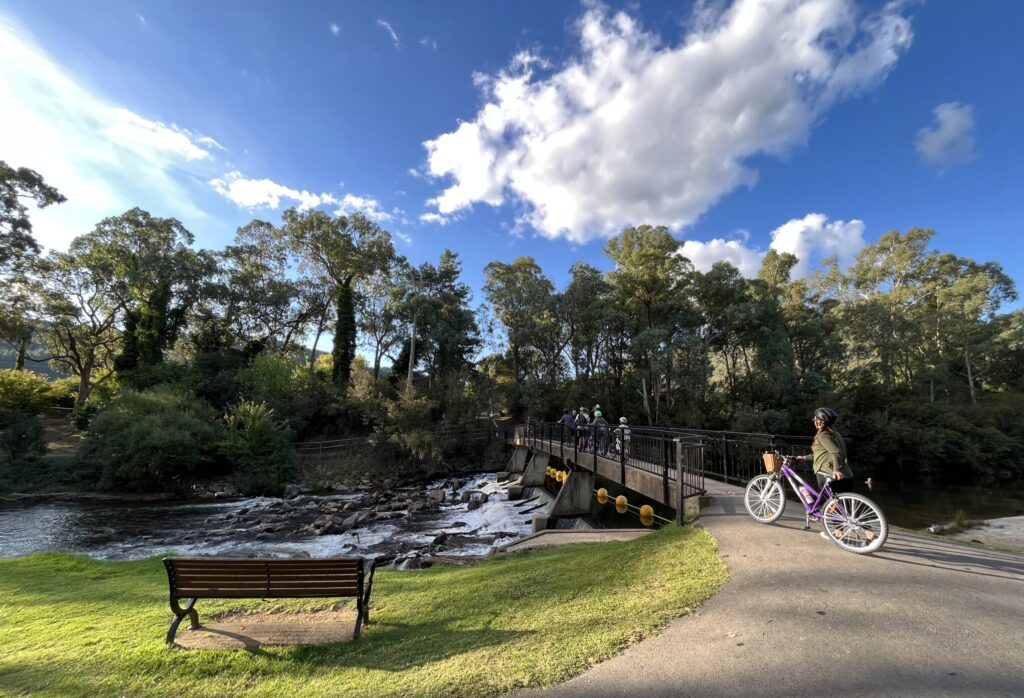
[[518, 460], [536, 470], [574, 497]]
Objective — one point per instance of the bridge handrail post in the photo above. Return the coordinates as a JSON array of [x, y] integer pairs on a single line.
[[622, 460], [664, 465]]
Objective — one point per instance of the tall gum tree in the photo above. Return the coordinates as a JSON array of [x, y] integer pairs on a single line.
[[340, 251]]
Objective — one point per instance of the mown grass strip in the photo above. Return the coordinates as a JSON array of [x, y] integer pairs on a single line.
[[72, 626]]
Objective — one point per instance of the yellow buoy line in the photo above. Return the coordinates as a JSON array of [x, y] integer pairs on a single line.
[[622, 505]]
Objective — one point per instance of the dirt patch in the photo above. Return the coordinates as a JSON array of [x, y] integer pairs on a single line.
[[251, 631]]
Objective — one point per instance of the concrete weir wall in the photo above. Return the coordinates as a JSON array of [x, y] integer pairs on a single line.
[[517, 462], [575, 494], [536, 470]]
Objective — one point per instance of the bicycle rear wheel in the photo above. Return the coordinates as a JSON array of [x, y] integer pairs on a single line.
[[854, 523], [764, 499]]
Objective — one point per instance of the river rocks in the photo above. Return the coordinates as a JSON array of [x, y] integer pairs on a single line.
[[436, 495]]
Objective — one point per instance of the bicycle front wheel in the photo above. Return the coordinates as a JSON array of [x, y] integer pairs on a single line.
[[764, 499], [855, 523]]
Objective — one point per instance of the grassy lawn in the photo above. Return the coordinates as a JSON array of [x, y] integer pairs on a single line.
[[72, 626]]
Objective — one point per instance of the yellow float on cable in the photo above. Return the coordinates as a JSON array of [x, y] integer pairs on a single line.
[[647, 515], [621, 504], [602, 496]]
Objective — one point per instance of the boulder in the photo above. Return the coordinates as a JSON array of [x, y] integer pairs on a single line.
[[436, 495]]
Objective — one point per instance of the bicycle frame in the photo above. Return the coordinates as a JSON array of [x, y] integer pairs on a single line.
[[819, 497]]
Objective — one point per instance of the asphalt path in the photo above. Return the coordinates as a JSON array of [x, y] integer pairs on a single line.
[[800, 617]]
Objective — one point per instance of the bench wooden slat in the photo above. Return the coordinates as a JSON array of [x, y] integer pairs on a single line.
[[244, 569], [255, 577], [207, 593]]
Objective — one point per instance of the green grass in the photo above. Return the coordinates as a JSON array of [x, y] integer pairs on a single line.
[[72, 626]]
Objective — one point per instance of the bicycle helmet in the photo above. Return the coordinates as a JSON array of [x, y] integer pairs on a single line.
[[827, 415]]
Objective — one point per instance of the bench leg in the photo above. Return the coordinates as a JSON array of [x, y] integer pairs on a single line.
[[179, 615]]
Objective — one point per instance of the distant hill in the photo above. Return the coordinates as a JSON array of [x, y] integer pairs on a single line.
[[9, 355]]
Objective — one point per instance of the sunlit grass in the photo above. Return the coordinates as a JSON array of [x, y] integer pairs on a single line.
[[72, 626]]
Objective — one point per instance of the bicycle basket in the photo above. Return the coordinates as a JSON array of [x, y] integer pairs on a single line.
[[772, 462]]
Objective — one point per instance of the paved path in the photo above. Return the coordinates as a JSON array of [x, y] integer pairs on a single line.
[[800, 617]]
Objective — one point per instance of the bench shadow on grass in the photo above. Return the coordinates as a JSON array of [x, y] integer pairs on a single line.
[[398, 647]]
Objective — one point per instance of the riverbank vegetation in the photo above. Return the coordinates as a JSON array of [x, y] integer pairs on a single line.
[[185, 363], [78, 627]]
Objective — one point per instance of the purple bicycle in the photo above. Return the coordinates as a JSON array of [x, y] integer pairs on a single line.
[[851, 521]]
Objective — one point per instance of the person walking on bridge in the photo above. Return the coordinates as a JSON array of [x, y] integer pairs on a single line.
[[568, 422], [622, 438], [582, 420], [600, 434]]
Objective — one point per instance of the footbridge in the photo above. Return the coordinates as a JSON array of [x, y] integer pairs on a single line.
[[666, 466]]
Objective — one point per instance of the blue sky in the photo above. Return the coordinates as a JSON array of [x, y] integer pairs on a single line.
[[540, 128]]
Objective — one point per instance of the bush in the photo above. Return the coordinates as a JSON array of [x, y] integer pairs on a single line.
[[155, 440], [21, 437], [260, 448], [24, 391]]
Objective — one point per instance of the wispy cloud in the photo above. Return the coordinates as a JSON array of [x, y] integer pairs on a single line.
[[103, 156], [387, 27], [949, 141], [142, 20], [335, 28], [428, 42]]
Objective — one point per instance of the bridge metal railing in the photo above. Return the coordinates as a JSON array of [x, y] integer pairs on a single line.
[[335, 451], [665, 453], [729, 456]]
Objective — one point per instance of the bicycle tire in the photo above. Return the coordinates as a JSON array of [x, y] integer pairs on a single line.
[[854, 523], [764, 499]]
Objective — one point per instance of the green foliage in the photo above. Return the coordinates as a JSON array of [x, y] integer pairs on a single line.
[[260, 448], [16, 241], [156, 440], [21, 437], [76, 627], [25, 391]]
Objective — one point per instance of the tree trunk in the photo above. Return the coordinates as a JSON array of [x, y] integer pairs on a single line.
[[316, 340], [412, 353], [19, 362], [84, 386], [970, 377]]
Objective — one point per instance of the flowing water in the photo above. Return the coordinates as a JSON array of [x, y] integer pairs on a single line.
[[106, 531]]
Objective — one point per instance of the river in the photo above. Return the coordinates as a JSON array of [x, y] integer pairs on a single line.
[[124, 532]]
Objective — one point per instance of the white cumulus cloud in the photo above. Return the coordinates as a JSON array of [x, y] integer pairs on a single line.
[[811, 239], [266, 193], [256, 193], [104, 157], [949, 141], [636, 131]]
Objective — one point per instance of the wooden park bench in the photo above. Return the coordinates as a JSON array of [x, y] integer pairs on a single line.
[[194, 578]]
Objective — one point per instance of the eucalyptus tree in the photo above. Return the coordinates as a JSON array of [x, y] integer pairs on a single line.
[[339, 251], [521, 297], [265, 307], [81, 319], [650, 281], [16, 186], [154, 275], [380, 299]]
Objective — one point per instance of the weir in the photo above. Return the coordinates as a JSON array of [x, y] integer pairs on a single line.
[[661, 466]]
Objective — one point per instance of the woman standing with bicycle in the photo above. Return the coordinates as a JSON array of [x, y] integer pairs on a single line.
[[828, 450]]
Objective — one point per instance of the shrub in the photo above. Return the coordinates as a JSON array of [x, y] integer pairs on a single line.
[[21, 436], [260, 448], [155, 440], [24, 391]]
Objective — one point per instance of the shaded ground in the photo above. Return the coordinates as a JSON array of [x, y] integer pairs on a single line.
[[255, 630], [800, 617]]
